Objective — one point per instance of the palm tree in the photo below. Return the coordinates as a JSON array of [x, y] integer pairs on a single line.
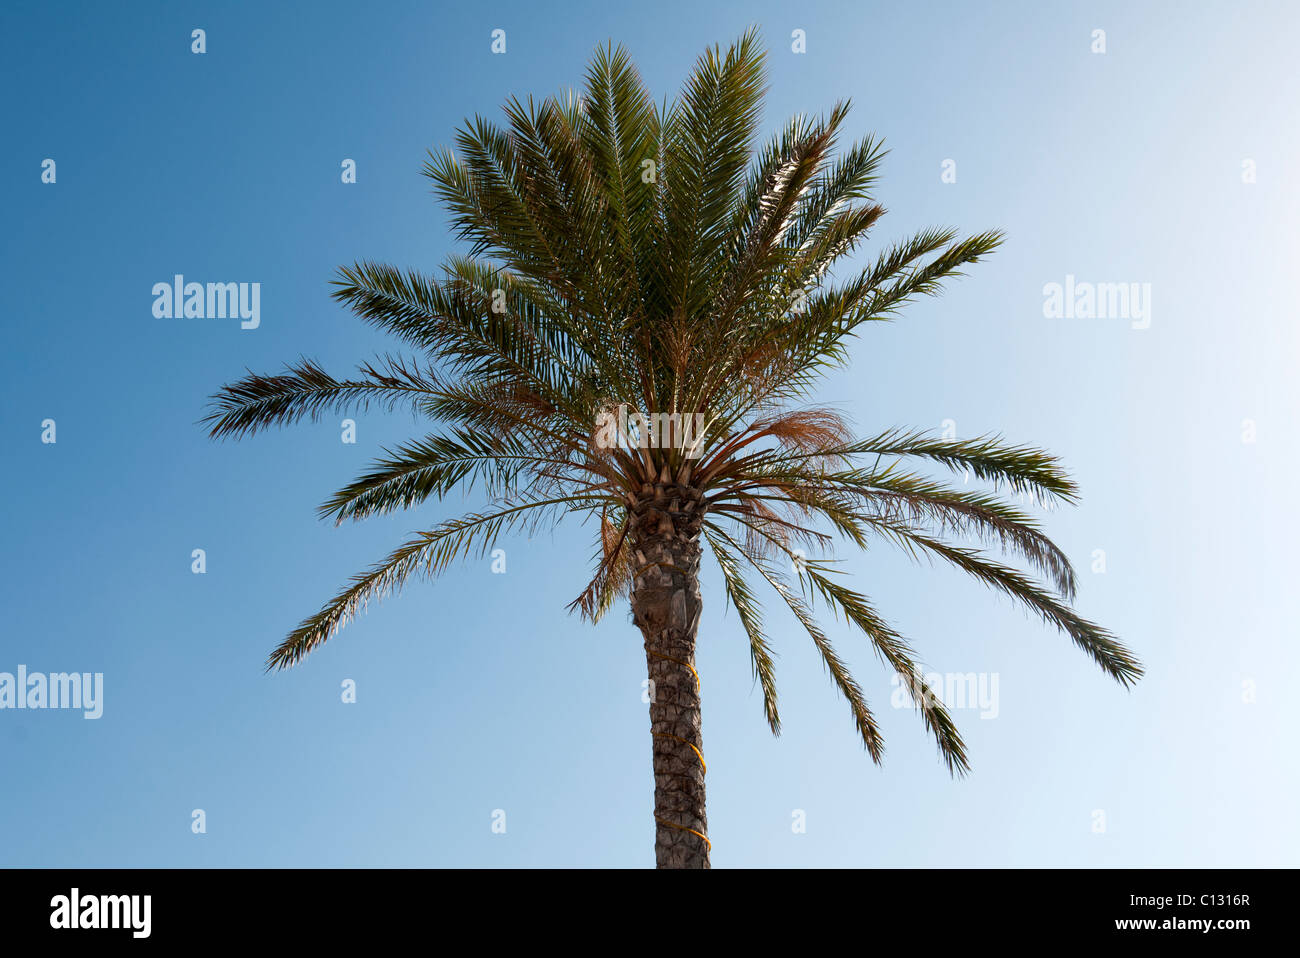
[[645, 307]]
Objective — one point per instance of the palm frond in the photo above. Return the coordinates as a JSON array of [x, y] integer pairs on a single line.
[[429, 553], [305, 391], [747, 607]]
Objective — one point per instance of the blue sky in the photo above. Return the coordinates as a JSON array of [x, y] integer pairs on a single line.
[[478, 692]]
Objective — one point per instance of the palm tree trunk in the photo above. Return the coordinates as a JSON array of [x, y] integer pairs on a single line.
[[666, 607]]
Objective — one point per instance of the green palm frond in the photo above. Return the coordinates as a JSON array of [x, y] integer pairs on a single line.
[[1100, 645], [306, 391], [428, 554], [894, 651], [747, 607]]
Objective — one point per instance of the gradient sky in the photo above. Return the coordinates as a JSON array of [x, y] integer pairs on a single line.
[[479, 692]]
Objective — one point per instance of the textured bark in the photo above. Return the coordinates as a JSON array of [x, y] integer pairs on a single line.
[[666, 607]]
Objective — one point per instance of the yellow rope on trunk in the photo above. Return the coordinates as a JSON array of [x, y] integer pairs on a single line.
[[701, 836], [669, 658], [698, 754], [704, 768]]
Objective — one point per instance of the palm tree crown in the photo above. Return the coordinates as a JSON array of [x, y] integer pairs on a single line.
[[631, 267]]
